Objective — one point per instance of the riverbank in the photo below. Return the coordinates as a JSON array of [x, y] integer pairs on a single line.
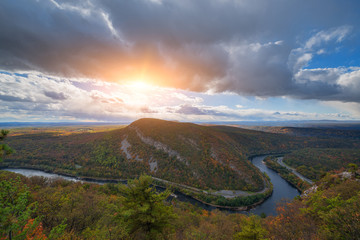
[[244, 201], [266, 203], [288, 175], [281, 162], [178, 195], [237, 203]]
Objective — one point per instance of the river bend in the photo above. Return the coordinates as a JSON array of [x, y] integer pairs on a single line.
[[282, 189]]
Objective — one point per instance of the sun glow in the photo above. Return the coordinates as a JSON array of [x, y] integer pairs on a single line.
[[140, 84]]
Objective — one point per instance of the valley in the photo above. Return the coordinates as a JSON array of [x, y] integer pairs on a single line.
[[259, 177], [282, 190], [209, 163]]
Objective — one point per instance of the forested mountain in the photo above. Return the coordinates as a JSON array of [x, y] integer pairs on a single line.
[[207, 157], [190, 154], [185, 153]]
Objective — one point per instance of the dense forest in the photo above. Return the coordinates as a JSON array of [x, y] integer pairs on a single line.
[[321, 131], [39, 208], [184, 153], [206, 157], [286, 174], [315, 162]]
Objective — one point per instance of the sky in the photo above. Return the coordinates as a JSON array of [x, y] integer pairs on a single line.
[[185, 60]]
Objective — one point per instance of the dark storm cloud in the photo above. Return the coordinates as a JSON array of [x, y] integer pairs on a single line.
[[248, 47]]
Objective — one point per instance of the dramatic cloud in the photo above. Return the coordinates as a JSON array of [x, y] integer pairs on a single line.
[[35, 97], [258, 48], [39, 96], [341, 84]]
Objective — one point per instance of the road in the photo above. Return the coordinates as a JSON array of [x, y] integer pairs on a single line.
[[224, 193], [280, 161]]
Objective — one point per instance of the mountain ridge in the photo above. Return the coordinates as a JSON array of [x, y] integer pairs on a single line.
[[205, 157], [196, 149]]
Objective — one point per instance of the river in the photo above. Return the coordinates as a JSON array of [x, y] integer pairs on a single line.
[[282, 189]]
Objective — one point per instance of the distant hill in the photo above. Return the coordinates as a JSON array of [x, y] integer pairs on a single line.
[[311, 131]]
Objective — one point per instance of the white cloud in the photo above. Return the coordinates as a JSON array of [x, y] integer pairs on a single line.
[[341, 84], [246, 47], [39, 96], [300, 57], [301, 60], [350, 108], [336, 34], [35, 97]]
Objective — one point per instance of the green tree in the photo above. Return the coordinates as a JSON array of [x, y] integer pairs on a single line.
[[353, 167], [15, 210], [251, 229], [4, 148], [58, 231], [145, 212], [342, 222]]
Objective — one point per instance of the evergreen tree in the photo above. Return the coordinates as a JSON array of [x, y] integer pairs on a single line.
[[252, 229], [4, 148], [145, 212]]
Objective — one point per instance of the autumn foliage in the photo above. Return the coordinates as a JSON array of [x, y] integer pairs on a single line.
[[68, 210]]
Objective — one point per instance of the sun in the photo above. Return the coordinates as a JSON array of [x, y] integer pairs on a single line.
[[140, 84]]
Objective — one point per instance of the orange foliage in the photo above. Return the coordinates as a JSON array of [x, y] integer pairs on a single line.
[[34, 231]]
